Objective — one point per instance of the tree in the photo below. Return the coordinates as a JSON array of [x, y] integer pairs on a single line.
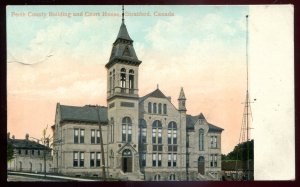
[[10, 151], [240, 152]]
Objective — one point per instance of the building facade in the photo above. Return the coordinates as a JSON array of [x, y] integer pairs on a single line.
[[144, 138], [29, 156]]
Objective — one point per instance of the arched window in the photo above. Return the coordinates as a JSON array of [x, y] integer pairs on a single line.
[[154, 108], [143, 131], [172, 133], [201, 139], [156, 132], [131, 81], [149, 107], [157, 143], [159, 108], [165, 109], [126, 129], [123, 78]]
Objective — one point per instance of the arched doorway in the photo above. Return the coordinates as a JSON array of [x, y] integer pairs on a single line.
[[127, 161], [201, 165]]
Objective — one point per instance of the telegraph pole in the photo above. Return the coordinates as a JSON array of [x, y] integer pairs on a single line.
[[101, 144]]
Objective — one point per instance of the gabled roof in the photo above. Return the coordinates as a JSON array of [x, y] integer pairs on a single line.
[[191, 121], [156, 93], [87, 113], [26, 144]]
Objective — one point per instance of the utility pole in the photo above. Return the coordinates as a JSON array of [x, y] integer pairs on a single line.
[[101, 144]]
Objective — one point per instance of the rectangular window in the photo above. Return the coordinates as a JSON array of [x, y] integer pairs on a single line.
[[169, 136], [144, 135], [92, 160], [81, 159], [143, 160], [159, 136], [39, 152], [154, 147], [174, 136], [123, 133], [172, 148], [153, 135], [26, 152], [76, 135], [98, 136], [75, 159], [81, 135], [20, 151], [32, 151], [169, 160], [215, 160], [213, 141], [129, 133], [154, 159], [92, 136], [174, 160], [98, 154], [159, 160]]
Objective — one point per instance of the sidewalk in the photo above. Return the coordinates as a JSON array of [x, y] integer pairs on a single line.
[[49, 177]]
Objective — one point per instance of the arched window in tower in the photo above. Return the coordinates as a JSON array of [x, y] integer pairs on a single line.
[[201, 139], [126, 129], [159, 108], [154, 108], [113, 80], [110, 83], [149, 107], [131, 81], [123, 79]]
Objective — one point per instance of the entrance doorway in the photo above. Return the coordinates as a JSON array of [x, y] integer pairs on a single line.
[[201, 165], [127, 161]]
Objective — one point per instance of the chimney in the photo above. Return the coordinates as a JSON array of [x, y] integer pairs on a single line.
[[13, 136], [27, 136]]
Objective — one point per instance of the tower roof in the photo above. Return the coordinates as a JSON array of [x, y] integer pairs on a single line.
[[181, 95], [123, 33], [123, 51]]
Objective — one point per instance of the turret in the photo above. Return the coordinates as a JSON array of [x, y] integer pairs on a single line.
[[181, 101]]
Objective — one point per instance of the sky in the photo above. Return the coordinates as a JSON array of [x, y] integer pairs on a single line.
[[199, 48]]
